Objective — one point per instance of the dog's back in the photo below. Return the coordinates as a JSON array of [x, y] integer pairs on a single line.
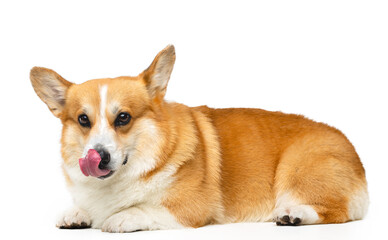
[[300, 165], [269, 165]]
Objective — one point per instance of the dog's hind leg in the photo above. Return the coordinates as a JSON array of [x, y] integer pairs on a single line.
[[319, 180]]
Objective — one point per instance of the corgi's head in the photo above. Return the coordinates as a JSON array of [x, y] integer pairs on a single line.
[[114, 117]]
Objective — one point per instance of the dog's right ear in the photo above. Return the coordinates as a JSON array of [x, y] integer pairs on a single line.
[[51, 88]]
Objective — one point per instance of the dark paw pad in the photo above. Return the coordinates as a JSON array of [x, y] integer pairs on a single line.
[[288, 221], [75, 226]]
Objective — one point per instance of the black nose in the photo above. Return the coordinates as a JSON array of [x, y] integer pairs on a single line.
[[105, 158]]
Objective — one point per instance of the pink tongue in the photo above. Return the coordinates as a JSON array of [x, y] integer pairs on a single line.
[[89, 164]]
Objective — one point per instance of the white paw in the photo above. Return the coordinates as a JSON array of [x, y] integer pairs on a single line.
[[74, 218], [122, 222], [295, 215], [140, 218]]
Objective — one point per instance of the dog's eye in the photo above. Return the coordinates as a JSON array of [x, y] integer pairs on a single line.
[[122, 119], [84, 120]]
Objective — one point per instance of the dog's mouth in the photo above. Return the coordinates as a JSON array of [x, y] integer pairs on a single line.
[[111, 171], [106, 176], [125, 160], [91, 165]]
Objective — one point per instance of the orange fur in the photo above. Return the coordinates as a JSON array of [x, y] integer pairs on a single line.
[[232, 164]]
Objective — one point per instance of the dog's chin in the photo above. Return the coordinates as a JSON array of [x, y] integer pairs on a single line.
[[113, 171]]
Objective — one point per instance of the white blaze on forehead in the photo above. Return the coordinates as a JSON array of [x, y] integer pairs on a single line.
[[103, 120]]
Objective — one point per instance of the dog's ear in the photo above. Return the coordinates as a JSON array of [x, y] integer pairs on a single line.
[[50, 87], [156, 76]]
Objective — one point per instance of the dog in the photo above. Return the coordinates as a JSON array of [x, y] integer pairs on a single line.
[[133, 161]]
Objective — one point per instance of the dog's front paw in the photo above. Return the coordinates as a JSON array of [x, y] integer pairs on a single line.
[[122, 222], [74, 218]]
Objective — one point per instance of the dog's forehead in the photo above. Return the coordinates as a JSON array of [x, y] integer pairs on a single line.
[[111, 94], [85, 95]]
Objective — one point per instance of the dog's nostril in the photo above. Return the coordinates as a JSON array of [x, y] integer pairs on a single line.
[[105, 158]]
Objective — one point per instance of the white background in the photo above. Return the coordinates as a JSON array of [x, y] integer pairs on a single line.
[[324, 59]]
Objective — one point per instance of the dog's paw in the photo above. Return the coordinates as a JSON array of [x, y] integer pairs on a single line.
[[119, 223], [295, 215], [74, 218], [122, 222], [287, 220]]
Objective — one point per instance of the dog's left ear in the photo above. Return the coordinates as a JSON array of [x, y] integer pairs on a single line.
[[156, 76]]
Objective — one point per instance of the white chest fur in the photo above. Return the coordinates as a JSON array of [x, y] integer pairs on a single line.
[[103, 198]]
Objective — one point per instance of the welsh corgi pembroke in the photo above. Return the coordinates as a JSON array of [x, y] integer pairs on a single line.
[[133, 161]]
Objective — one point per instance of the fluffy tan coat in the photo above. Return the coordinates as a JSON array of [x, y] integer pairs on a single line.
[[221, 165]]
